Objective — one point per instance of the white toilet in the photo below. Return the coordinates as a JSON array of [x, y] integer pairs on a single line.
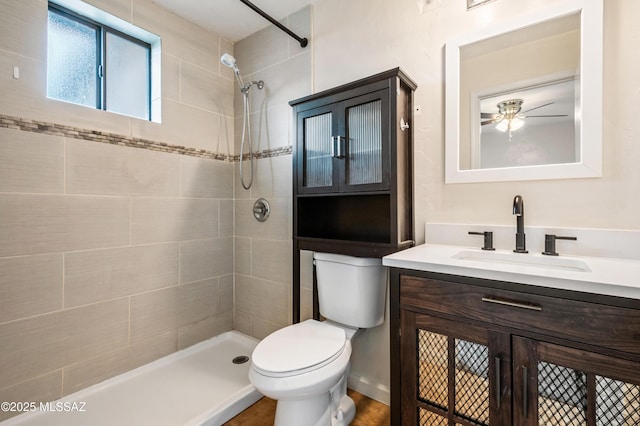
[[305, 366]]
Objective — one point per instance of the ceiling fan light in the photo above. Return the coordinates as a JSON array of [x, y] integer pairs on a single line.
[[503, 125], [516, 123]]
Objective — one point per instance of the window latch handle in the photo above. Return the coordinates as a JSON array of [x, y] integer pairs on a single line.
[[100, 74]]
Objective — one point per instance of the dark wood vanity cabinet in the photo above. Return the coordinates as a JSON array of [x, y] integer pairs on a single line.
[[469, 351], [353, 170]]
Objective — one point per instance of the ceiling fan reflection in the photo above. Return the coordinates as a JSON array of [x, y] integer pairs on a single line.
[[510, 116]]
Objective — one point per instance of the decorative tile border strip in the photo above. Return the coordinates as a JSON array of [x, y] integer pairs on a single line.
[[53, 129], [267, 153]]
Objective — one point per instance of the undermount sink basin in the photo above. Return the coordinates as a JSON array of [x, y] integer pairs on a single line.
[[523, 259]]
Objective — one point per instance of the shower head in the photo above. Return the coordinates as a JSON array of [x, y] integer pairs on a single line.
[[229, 61]]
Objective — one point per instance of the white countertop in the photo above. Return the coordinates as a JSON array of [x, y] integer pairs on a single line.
[[613, 277]]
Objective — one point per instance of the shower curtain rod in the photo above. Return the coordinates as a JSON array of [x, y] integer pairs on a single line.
[[303, 41]]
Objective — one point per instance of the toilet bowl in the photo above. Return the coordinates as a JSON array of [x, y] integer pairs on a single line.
[[305, 366]]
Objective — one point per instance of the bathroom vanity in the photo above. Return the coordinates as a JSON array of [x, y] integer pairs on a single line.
[[504, 338]]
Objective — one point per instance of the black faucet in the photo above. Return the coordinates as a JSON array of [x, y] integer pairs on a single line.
[[518, 210]]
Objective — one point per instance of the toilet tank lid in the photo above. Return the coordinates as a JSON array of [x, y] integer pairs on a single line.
[[349, 260]]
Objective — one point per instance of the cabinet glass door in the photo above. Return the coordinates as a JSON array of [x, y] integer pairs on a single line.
[[367, 153], [318, 168], [345, 146], [365, 143], [316, 158]]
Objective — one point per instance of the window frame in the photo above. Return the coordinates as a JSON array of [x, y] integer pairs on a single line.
[[101, 57]]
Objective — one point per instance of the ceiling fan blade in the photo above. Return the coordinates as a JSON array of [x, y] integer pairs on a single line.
[[540, 106], [488, 115], [495, 120]]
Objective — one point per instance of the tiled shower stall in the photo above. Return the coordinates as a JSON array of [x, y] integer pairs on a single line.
[[124, 240]]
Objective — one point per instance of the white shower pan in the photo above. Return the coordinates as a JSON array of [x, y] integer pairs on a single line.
[[196, 386]]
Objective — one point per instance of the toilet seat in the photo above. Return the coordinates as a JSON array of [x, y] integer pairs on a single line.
[[298, 349]]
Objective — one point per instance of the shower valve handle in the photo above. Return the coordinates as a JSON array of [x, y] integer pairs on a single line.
[[261, 210]]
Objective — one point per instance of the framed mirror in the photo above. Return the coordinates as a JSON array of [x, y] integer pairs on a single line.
[[524, 97]]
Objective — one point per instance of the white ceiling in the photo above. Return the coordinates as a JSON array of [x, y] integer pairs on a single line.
[[232, 19]]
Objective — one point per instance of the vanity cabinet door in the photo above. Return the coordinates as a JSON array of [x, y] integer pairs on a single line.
[[453, 373], [556, 386]]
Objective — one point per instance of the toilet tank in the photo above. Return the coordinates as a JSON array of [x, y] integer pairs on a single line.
[[351, 290]]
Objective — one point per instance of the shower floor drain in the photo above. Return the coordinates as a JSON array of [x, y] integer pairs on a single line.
[[241, 359]]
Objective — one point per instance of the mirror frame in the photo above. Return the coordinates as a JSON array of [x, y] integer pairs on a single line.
[[591, 47]]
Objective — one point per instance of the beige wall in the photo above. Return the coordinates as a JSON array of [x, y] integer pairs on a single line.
[[369, 36], [110, 256]]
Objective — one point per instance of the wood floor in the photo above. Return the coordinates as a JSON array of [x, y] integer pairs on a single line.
[[369, 412]]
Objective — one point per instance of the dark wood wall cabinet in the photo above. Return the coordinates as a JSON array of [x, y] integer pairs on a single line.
[[352, 170], [468, 351]]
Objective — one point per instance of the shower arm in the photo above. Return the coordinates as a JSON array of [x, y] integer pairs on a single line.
[[303, 41]]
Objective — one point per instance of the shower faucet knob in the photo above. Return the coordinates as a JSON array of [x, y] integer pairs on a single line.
[[261, 210]]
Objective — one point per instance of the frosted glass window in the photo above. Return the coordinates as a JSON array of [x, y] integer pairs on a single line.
[[127, 74], [72, 61], [92, 64]]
